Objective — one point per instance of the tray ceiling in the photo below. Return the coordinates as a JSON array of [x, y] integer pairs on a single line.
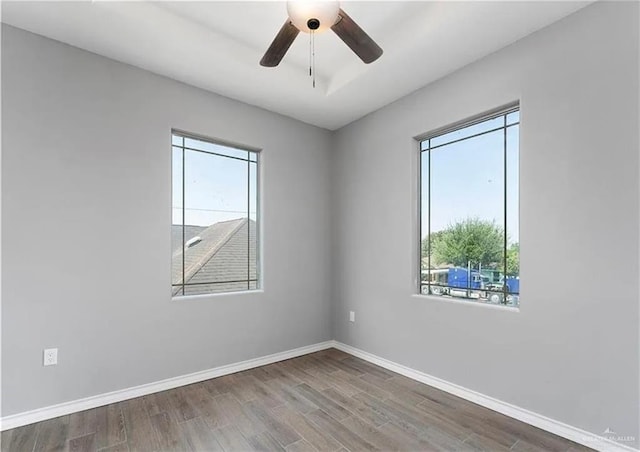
[[217, 46]]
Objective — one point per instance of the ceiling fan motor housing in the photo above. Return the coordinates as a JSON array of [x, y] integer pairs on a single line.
[[313, 24], [316, 16]]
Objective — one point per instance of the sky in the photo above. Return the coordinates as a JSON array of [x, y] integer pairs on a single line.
[[215, 186], [467, 179]]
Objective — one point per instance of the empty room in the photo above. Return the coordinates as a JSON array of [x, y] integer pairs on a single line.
[[320, 226]]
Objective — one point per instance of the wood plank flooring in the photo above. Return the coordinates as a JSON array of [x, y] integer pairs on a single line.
[[325, 401]]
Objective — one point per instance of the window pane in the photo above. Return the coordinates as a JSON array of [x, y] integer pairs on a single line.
[[217, 148], [176, 220], [253, 222], [468, 131], [424, 221], [513, 216], [176, 140], [216, 190], [176, 170], [469, 223], [203, 289], [467, 215], [214, 219], [514, 117]]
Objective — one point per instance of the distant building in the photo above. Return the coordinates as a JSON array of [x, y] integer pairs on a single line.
[[218, 258]]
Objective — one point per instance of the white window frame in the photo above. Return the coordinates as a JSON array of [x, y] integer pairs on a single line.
[[258, 227], [477, 119]]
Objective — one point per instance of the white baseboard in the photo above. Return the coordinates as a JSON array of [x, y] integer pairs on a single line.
[[537, 420], [41, 414]]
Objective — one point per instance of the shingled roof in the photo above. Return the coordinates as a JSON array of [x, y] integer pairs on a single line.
[[222, 260]]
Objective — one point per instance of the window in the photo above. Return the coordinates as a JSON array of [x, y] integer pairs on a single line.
[[214, 231], [469, 210]]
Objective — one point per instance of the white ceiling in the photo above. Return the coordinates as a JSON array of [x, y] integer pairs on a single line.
[[217, 46]]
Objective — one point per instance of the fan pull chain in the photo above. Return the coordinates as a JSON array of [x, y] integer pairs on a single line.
[[310, 53], [312, 56]]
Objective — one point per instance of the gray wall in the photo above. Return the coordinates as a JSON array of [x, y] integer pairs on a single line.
[[571, 353], [86, 209], [86, 234]]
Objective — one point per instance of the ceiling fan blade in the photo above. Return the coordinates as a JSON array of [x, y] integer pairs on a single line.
[[280, 45], [355, 37]]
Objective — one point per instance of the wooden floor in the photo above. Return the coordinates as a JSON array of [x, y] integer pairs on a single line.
[[325, 401]]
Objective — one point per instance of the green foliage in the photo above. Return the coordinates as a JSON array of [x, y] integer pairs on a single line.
[[425, 244], [513, 259], [475, 240]]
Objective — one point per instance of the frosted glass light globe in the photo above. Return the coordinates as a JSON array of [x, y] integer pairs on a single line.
[[300, 11]]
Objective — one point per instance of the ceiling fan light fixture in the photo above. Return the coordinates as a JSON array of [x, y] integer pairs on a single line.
[[316, 16], [306, 14]]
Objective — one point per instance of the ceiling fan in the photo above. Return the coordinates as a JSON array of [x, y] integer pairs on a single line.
[[317, 16]]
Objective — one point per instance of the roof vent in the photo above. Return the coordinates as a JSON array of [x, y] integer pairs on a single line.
[[192, 242]]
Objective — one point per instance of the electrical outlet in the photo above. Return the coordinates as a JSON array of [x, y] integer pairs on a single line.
[[352, 316], [50, 357]]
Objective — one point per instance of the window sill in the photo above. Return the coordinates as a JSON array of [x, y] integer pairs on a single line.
[[208, 296], [498, 307]]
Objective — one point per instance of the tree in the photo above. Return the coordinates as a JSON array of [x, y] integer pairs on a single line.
[[513, 259], [425, 243], [475, 240]]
